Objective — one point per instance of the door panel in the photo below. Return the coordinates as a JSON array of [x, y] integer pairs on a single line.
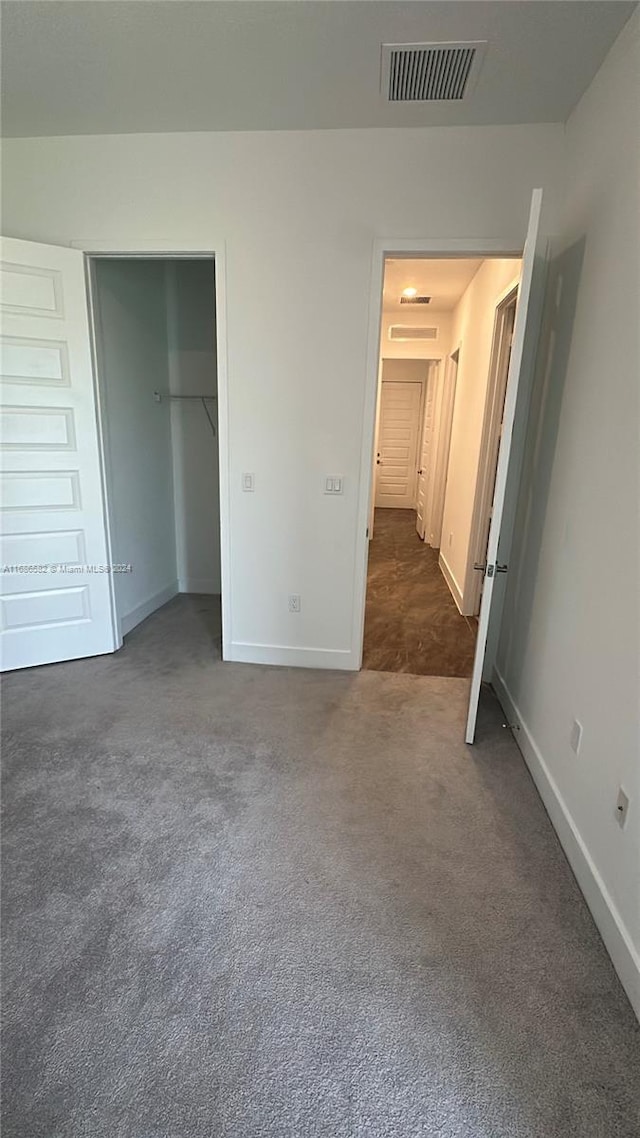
[[489, 469], [426, 457], [520, 329], [398, 445], [55, 590]]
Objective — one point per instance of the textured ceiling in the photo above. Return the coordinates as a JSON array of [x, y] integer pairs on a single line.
[[92, 67]]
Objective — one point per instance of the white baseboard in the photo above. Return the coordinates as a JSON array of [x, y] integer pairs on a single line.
[[611, 927], [199, 585], [141, 612], [454, 588], [282, 654]]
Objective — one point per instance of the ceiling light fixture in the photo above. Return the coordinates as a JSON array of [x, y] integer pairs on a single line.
[[409, 292]]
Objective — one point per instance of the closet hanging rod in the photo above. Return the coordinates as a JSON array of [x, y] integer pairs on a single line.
[[158, 395]]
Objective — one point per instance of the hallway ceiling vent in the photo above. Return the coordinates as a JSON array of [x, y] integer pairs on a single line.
[[407, 332], [430, 72], [415, 300]]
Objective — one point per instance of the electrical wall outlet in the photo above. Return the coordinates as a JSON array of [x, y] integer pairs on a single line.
[[294, 602], [575, 738], [622, 807]]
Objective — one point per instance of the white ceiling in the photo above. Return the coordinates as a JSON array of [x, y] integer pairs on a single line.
[[444, 280], [92, 67]]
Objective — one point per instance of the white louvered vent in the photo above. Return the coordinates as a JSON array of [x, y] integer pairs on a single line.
[[412, 332], [430, 72]]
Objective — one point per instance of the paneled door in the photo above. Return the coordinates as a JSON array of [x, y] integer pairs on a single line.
[[55, 586], [398, 445], [425, 470]]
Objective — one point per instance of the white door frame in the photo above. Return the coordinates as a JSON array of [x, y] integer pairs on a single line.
[[170, 250], [444, 430], [399, 247], [431, 382], [494, 403]]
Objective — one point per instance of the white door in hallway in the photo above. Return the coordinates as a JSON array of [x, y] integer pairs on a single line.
[[396, 460], [55, 596], [499, 544], [425, 469]]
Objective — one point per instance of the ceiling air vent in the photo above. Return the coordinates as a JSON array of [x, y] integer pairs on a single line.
[[430, 72], [407, 332], [415, 300]]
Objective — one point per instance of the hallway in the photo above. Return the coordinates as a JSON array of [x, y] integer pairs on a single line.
[[411, 620]]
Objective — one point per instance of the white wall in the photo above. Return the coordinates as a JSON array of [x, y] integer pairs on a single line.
[[298, 214], [472, 332], [191, 321], [130, 304], [570, 644], [416, 349]]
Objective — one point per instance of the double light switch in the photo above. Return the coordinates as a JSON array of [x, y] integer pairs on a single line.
[[333, 484]]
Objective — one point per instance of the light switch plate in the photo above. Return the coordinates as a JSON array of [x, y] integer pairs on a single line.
[[334, 484], [248, 483]]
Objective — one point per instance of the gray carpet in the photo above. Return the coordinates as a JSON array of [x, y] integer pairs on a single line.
[[243, 902]]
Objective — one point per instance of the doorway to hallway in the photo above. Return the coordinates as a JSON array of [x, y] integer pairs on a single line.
[[437, 441]]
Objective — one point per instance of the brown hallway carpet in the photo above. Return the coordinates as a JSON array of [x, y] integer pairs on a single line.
[[411, 622]]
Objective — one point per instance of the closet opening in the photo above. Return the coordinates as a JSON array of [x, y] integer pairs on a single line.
[[154, 325]]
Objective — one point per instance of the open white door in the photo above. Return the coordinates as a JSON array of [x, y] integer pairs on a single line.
[[374, 459], [511, 397], [55, 588]]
